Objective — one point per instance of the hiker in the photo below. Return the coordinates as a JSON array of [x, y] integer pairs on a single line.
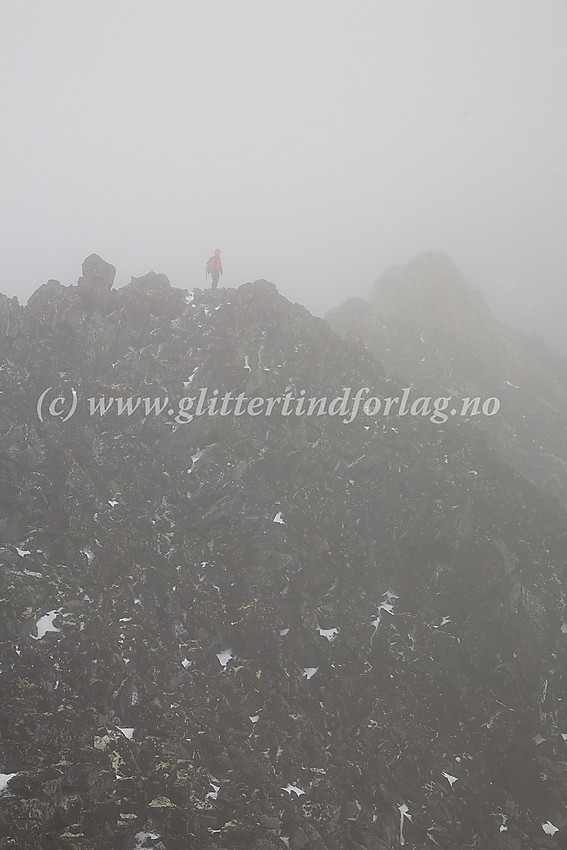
[[214, 268]]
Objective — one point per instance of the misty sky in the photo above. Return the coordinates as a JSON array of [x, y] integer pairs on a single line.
[[316, 142]]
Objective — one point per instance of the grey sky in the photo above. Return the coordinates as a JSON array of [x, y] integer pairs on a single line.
[[316, 142]]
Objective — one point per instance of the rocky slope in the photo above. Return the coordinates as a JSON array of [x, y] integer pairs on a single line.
[[430, 328], [262, 631]]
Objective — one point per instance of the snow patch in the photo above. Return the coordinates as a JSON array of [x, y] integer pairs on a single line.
[[330, 634], [293, 788], [225, 656], [191, 376], [45, 624], [548, 828], [212, 795], [142, 837], [404, 813], [278, 518], [4, 779], [127, 731], [309, 672]]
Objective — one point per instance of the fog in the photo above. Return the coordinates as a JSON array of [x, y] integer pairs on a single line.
[[316, 142]]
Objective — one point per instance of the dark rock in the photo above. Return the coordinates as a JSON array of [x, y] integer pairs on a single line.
[[97, 274], [95, 283], [298, 841]]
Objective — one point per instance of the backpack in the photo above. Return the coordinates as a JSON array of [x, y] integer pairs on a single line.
[[213, 264]]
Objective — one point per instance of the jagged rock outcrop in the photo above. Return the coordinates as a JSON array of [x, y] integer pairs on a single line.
[[10, 315], [431, 329], [259, 630], [96, 282]]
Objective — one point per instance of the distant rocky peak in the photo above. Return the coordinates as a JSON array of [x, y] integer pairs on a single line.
[[429, 288]]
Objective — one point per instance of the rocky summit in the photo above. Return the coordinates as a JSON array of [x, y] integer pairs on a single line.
[[428, 326], [266, 630]]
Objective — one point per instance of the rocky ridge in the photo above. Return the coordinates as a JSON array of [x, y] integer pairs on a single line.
[[262, 631], [431, 329]]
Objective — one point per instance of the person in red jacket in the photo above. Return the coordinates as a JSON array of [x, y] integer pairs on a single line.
[[214, 268]]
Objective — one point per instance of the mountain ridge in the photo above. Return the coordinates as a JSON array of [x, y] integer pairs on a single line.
[[262, 631], [426, 325]]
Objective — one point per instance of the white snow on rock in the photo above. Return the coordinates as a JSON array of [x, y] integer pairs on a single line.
[[330, 634], [548, 828], [404, 813], [4, 779], [295, 788], [45, 624], [278, 518], [309, 672], [538, 739], [127, 731], [191, 376], [212, 795], [225, 656], [386, 605], [450, 779], [284, 632], [246, 363], [22, 552], [141, 838]]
